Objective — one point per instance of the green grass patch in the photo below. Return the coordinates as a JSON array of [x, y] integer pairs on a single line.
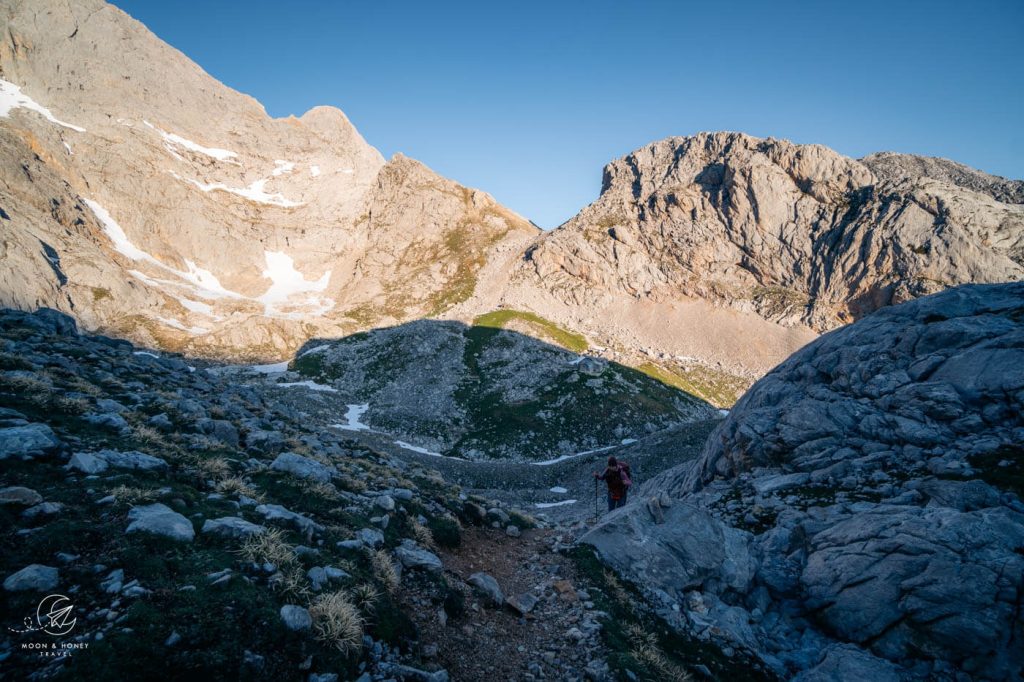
[[497, 319]]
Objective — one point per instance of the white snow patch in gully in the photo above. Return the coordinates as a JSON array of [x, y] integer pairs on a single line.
[[548, 505], [628, 441], [311, 385], [314, 171], [347, 171], [195, 306], [559, 490], [423, 451], [68, 147], [146, 353], [556, 460], [208, 286], [282, 167], [11, 97], [288, 282], [171, 138], [253, 192], [723, 413], [274, 368], [352, 417], [314, 351]]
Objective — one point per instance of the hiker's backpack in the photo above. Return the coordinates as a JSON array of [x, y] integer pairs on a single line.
[[624, 475]]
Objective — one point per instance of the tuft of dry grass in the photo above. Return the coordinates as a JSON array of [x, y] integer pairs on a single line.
[[337, 621], [149, 436], [320, 489], [216, 468], [366, 596], [132, 495], [384, 570], [269, 546], [236, 485], [644, 648], [422, 535]]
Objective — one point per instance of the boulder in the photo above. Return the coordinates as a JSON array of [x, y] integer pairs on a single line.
[[275, 512], [488, 587], [19, 495], [232, 527], [296, 618], [411, 555], [690, 548], [33, 577], [159, 519], [26, 442], [302, 467]]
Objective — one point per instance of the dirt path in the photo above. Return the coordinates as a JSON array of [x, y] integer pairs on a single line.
[[559, 639]]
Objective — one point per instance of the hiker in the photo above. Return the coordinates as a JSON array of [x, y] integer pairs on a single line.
[[616, 476]]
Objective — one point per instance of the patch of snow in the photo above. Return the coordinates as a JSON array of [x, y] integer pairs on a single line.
[[628, 441], [11, 97], [273, 368], [347, 171], [196, 306], [556, 460], [146, 353], [577, 361], [206, 282], [352, 417], [723, 413], [314, 171], [194, 331], [417, 449], [172, 139], [548, 505], [253, 192], [311, 385], [314, 351], [282, 167], [68, 147], [122, 244], [558, 490], [288, 282], [423, 451]]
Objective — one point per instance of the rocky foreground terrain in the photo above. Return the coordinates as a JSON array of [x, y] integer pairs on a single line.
[[858, 515], [201, 523]]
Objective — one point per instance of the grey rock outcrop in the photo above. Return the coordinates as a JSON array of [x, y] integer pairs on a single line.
[[875, 477], [159, 519]]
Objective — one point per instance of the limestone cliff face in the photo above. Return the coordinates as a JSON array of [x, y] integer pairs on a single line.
[[182, 215], [797, 233]]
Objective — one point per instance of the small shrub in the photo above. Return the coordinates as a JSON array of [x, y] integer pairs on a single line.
[[446, 532]]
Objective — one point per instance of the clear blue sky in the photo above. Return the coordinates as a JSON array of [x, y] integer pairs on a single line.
[[528, 100]]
